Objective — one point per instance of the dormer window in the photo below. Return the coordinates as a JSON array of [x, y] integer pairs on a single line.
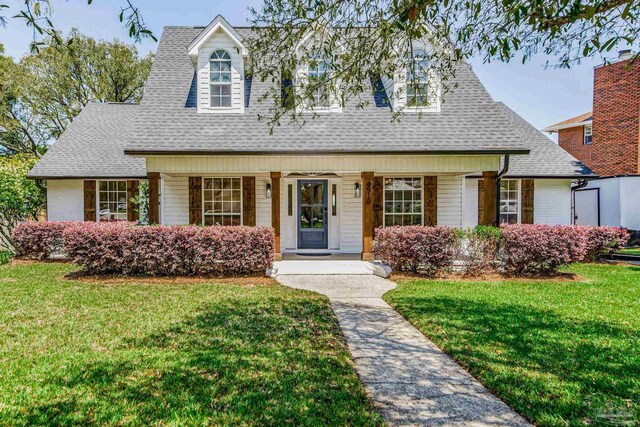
[[418, 87], [317, 76], [588, 136], [220, 73]]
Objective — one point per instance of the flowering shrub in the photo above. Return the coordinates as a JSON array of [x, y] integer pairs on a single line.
[[603, 241], [429, 250], [541, 249], [117, 248], [38, 240], [480, 249]]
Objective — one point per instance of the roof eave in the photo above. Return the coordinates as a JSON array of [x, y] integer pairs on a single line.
[[481, 152], [555, 128]]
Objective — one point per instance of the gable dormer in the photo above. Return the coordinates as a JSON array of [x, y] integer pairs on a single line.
[[219, 56]]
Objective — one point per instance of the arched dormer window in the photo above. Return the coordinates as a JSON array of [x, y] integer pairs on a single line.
[[220, 72], [318, 74], [419, 90]]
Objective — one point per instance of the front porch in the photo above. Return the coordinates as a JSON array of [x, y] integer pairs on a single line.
[[330, 210]]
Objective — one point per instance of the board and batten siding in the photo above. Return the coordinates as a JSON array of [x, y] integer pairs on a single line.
[[220, 40], [381, 164], [65, 200]]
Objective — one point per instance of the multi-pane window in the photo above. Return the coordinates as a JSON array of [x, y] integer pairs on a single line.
[[402, 201], [318, 74], [509, 201], [587, 135], [220, 72], [112, 200], [418, 87], [222, 201]]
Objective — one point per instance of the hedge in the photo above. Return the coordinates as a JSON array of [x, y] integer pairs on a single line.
[[39, 240]]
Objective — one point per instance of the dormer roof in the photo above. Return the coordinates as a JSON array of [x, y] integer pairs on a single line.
[[218, 23]]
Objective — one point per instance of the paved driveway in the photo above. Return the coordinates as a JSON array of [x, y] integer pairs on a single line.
[[409, 379]]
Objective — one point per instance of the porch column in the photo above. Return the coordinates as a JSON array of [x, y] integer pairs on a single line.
[[489, 185], [275, 211], [154, 197], [367, 216]]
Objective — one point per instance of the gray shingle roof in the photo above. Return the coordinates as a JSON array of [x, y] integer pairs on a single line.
[[92, 146], [167, 121]]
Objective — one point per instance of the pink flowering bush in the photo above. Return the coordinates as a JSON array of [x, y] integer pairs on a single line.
[[116, 248], [536, 249], [38, 240], [429, 250], [603, 241]]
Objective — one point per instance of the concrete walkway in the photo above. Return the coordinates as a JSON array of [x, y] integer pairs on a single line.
[[411, 381]]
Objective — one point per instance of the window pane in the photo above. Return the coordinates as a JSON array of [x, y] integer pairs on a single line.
[[222, 204], [403, 201]]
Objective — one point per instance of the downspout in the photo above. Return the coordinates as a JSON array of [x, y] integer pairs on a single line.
[[503, 172], [580, 184]]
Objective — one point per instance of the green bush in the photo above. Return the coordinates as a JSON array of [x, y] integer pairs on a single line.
[[481, 249], [5, 257]]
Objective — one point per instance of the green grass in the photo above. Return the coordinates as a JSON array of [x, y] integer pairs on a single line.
[[630, 251], [5, 257], [560, 353], [169, 353]]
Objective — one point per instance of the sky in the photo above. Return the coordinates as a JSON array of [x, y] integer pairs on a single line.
[[542, 96]]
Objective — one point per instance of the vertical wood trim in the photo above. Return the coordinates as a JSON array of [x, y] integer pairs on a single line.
[[195, 200], [133, 191], [90, 200], [480, 201], [154, 197], [430, 200], [490, 198], [378, 202], [367, 215], [249, 200], [275, 210], [527, 197]]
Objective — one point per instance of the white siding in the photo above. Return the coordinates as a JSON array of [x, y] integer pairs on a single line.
[[175, 200], [381, 164], [220, 40], [619, 201], [470, 214], [552, 201], [263, 205], [450, 200], [65, 200], [351, 236]]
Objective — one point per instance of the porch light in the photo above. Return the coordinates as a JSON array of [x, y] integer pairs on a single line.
[[357, 191], [268, 191]]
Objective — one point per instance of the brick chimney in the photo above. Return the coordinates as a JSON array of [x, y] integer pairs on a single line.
[[616, 117]]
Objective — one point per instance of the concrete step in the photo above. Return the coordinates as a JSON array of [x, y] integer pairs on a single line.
[[328, 267]]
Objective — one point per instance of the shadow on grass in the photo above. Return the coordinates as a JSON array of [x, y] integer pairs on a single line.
[[259, 362], [552, 369]]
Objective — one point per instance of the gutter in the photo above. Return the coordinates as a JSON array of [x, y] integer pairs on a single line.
[[503, 172], [488, 151]]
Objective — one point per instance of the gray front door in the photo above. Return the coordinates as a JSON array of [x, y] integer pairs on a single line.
[[312, 214]]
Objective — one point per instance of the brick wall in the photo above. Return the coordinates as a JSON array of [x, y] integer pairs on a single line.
[[616, 119], [572, 140]]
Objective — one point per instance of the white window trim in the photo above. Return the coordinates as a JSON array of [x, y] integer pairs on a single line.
[[384, 197], [584, 134], [230, 84], [98, 181], [401, 86], [241, 196], [518, 198]]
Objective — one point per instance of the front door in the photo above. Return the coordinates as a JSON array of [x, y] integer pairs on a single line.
[[312, 214]]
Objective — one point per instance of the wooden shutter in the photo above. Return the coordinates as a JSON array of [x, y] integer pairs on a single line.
[[526, 190], [249, 201], [133, 190], [90, 200], [480, 201], [195, 200], [430, 200], [154, 197], [378, 204]]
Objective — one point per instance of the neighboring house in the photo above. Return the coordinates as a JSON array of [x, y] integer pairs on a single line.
[[323, 187], [607, 140]]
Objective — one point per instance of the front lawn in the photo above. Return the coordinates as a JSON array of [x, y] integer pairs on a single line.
[[161, 352], [630, 251], [560, 353]]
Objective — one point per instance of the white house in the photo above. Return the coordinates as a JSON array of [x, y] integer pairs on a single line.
[[324, 187]]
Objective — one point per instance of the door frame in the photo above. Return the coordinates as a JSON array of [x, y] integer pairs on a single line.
[[325, 211]]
